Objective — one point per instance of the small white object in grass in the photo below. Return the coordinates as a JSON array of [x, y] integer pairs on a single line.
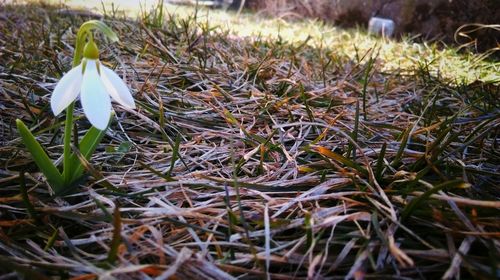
[[381, 26]]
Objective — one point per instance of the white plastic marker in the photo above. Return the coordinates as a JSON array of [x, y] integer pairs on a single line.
[[381, 26]]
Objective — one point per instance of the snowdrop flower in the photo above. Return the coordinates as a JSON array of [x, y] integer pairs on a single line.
[[95, 83]]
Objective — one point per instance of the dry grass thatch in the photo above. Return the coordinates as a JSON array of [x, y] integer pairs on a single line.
[[247, 158]]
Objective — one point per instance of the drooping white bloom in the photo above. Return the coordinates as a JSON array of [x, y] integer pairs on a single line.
[[94, 83]]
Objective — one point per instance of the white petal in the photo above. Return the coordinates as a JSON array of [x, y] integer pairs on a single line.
[[116, 87], [95, 101], [66, 90]]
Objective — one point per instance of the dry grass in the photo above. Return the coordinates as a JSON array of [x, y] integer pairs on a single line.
[[248, 158]]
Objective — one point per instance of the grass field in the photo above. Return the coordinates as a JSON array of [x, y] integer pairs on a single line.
[[260, 148]]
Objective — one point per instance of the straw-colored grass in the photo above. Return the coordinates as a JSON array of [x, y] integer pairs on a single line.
[[250, 157]]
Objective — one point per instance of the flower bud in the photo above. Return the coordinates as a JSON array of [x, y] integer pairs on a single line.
[[90, 50]]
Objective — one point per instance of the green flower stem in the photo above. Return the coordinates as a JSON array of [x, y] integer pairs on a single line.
[[68, 125], [67, 168], [70, 169], [84, 30]]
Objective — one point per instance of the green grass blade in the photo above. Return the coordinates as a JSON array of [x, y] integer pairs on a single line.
[[380, 162], [41, 159], [402, 146], [366, 80], [175, 155], [24, 194], [308, 224], [417, 201], [339, 158], [354, 134], [117, 237]]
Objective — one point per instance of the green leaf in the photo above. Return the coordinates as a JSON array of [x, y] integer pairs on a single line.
[[345, 161], [124, 147], [402, 147], [110, 149], [380, 162], [458, 183], [117, 238], [175, 155], [41, 159], [87, 147], [119, 152]]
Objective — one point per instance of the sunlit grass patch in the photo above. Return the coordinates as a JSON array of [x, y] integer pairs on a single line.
[[395, 55]]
